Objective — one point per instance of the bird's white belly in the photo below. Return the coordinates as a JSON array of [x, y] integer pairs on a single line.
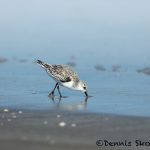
[[68, 85]]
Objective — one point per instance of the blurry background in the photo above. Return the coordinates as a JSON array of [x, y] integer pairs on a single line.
[[111, 31]]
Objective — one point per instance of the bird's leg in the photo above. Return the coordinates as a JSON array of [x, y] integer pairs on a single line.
[[59, 91], [52, 93], [86, 94]]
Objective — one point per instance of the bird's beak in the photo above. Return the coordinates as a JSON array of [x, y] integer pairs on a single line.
[[86, 93]]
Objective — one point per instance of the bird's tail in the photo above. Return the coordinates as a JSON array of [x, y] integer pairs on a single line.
[[42, 64]]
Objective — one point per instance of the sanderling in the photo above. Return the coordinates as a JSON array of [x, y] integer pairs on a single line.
[[64, 76]]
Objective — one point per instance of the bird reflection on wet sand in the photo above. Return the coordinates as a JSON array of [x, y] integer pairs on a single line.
[[58, 103]]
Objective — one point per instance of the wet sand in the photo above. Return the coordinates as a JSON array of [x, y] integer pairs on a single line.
[[45, 130]]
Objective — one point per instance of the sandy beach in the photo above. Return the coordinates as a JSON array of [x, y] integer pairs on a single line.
[[61, 130]]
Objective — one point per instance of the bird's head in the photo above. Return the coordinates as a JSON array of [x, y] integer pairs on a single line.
[[82, 86]]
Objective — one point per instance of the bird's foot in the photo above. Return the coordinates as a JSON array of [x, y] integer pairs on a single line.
[[51, 94]]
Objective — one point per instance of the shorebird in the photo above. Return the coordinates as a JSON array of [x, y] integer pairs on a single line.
[[65, 76]]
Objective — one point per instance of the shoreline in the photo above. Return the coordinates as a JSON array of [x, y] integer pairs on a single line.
[[43, 130]]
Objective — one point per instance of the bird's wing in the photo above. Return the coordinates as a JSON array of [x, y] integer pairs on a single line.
[[61, 73]]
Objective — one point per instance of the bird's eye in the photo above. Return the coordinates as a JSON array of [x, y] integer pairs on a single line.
[[84, 87]]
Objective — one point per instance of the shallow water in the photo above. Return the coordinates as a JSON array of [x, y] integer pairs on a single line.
[[26, 86]]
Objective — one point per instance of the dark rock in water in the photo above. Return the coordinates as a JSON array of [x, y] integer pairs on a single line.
[[146, 70], [100, 68], [72, 64], [3, 60], [116, 68]]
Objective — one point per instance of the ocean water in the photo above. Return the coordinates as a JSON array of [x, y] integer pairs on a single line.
[[26, 86], [93, 36]]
